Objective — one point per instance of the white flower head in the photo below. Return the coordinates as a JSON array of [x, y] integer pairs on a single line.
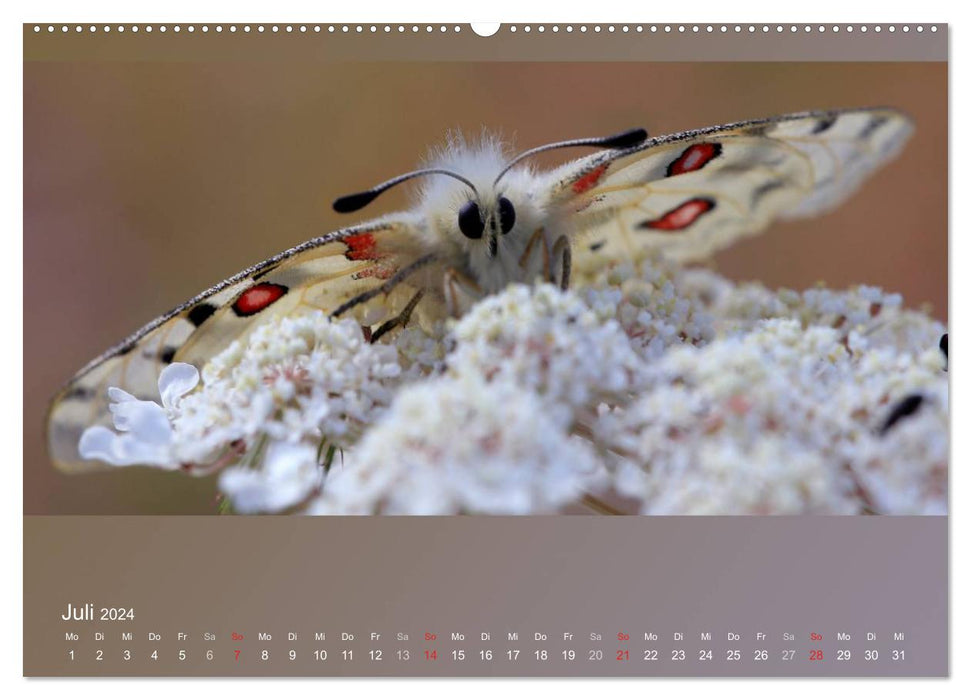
[[550, 342], [288, 474], [303, 379], [463, 445], [674, 388], [145, 434], [654, 304], [783, 419]]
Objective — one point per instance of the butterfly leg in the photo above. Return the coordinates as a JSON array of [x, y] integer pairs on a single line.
[[399, 277], [539, 235], [456, 284], [399, 320], [563, 253]]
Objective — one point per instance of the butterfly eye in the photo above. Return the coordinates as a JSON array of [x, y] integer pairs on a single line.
[[507, 215], [470, 220]]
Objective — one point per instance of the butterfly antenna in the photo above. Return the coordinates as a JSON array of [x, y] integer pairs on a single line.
[[625, 139], [353, 202]]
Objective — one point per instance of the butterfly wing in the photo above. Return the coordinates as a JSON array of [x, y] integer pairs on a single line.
[[323, 273], [696, 192]]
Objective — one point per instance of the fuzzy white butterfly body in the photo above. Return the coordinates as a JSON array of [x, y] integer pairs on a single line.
[[442, 198], [480, 224]]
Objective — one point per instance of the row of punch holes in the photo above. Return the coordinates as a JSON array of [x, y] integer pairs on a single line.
[[484, 30]]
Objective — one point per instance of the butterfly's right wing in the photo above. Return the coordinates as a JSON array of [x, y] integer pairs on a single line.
[[323, 273], [693, 193]]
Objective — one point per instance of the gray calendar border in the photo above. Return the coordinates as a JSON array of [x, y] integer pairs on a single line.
[[528, 575], [422, 42]]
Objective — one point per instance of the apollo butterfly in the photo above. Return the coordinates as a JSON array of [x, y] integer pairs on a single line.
[[483, 221]]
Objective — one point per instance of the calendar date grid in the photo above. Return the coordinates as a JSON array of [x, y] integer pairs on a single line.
[[323, 651]]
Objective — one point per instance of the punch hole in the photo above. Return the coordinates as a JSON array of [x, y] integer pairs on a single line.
[[485, 28]]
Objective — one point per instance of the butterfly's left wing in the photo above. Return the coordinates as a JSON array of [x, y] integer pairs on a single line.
[[696, 192], [323, 273]]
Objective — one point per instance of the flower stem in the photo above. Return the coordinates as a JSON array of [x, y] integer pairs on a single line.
[[599, 507]]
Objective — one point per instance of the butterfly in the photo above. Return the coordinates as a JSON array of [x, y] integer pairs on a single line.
[[483, 220]]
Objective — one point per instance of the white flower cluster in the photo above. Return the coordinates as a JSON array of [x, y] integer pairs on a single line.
[[648, 388], [464, 444], [550, 343], [784, 419], [265, 411], [653, 303]]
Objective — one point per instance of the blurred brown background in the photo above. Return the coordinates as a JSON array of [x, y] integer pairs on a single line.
[[145, 183]]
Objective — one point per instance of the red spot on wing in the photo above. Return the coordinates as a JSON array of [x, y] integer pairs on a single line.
[[381, 272], [681, 216], [361, 246], [694, 158], [585, 182], [258, 297]]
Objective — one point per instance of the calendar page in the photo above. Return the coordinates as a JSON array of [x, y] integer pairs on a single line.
[[556, 350]]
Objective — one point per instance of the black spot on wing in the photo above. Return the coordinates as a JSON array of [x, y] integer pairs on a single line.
[[905, 407], [78, 393], [167, 354], [200, 312], [823, 125], [872, 125], [597, 246], [759, 193]]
